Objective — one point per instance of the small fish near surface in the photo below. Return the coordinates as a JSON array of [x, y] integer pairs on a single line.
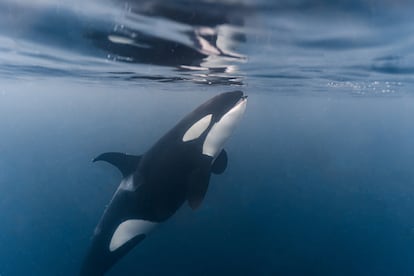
[[154, 185]]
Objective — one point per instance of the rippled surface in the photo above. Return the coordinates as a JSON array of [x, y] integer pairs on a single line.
[[211, 42], [320, 178], [120, 40]]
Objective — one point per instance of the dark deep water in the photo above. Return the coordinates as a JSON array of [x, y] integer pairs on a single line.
[[320, 178]]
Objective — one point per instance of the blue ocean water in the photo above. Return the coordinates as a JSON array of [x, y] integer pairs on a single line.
[[320, 178]]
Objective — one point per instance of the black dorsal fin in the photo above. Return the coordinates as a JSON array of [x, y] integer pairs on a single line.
[[197, 187], [124, 162], [220, 164]]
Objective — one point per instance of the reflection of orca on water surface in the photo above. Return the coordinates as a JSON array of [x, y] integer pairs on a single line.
[[154, 185], [183, 34]]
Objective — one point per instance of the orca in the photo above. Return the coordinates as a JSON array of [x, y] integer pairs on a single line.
[[155, 185]]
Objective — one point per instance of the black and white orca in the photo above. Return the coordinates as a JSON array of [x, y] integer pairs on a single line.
[[154, 185]]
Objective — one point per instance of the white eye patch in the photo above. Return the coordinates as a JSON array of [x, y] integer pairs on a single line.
[[197, 128]]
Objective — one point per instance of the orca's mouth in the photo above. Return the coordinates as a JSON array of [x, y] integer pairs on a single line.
[[241, 100]]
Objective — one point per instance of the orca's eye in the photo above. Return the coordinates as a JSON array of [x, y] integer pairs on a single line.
[[197, 128]]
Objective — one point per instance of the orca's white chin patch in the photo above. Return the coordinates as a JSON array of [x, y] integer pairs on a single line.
[[128, 230], [222, 129]]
